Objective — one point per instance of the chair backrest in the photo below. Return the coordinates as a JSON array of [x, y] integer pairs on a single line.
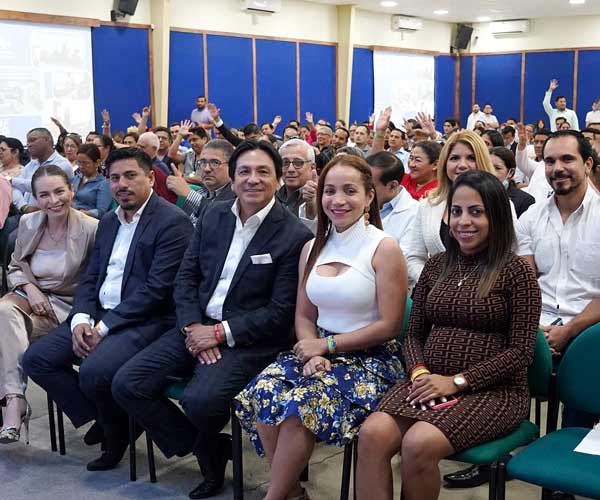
[[579, 372], [540, 370], [407, 311]]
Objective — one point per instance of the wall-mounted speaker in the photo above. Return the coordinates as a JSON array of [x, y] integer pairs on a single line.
[[463, 36], [128, 6]]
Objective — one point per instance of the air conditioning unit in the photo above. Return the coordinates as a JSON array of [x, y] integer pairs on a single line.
[[270, 6], [406, 23], [512, 26]]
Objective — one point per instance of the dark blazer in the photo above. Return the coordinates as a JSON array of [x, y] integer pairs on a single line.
[[521, 200], [159, 242], [261, 300], [225, 194]]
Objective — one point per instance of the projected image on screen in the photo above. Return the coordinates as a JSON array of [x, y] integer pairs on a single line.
[[404, 81], [45, 71]]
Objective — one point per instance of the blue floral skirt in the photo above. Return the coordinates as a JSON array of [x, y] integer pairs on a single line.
[[332, 405]]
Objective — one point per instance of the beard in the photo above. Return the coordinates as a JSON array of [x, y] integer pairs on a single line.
[[565, 188]]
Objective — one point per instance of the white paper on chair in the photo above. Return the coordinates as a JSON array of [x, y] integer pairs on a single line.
[[590, 444]]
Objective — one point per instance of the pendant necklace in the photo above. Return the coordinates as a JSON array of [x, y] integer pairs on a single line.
[[465, 278]]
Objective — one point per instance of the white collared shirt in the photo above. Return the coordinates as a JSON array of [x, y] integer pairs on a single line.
[[110, 291], [242, 236], [538, 186], [480, 116], [566, 255], [398, 221]]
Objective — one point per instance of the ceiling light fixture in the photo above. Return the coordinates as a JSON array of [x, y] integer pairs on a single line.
[[440, 12], [484, 19], [388, 3], [576, 2]]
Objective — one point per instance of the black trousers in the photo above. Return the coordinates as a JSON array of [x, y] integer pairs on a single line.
[[85, 395], [140, 384]]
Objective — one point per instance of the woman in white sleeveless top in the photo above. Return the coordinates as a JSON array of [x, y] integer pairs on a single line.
[[349, 310], [464, 151]]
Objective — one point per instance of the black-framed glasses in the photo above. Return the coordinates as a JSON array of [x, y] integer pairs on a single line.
[[214, 163], [297, 163]]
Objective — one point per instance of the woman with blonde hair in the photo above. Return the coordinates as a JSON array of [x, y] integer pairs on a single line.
[[464, 151]]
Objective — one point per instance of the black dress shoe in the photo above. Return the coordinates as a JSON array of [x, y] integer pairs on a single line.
[[115, 449], [475, 475], [561, 495], [94, 435], [213, 469]]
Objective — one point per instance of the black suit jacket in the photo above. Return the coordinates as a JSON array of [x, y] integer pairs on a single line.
[[261, 300], [225, 194], [159, 242]]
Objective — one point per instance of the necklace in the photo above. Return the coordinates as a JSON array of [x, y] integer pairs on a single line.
[[56, 241], [465, 278]]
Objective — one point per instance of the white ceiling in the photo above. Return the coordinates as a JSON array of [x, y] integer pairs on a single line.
[[470, 10]]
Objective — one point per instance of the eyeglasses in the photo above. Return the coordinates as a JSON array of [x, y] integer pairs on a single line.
[[297, 163], [213, 163]]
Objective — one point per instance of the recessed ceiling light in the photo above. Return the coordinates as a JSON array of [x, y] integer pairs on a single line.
[[440, 12], [484, 19], [388, 3], [576, 2]]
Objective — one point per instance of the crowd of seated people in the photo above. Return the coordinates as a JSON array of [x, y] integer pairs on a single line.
[[270, 267]]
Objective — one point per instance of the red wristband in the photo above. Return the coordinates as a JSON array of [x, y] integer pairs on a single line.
[[218, 335]]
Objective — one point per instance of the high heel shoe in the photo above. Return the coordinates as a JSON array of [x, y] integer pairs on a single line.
[[12, 434]]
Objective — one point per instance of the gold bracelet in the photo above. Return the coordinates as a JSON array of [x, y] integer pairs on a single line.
[[420, 371]]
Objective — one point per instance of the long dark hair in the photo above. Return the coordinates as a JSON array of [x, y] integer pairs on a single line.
[[501, 236], [323, 222]]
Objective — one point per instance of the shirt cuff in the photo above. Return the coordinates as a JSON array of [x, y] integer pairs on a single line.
[[102, 329], [80, 318], [192, 201], [219, 122], [228, 334]]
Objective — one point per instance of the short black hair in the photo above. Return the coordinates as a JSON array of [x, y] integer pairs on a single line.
[[542, 131], [343, 122], [452, 121], [393, 169], [107, 141], [200, 132], [42, 131], [509, 130], [201, 97], [494, 136], [90, 150], [252, 145], [583, 145], [562, 118], [591, 130], [432, 149], [488, 104], [402, 133], [139, 155], [506, 155], [512, 118], [270, 125], [48, 171], [162, 129], [135, 135], [365, 125], [344, 129], [250, 129], [560, 97]]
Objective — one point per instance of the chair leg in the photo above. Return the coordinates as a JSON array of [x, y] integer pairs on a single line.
[[61, 431], [151, 463], [538, 412], [238, 465], [132, 457], [493, 486], [51, 424], [501, 481], [346, 471]]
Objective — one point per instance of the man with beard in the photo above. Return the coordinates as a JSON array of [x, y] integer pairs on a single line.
[[201, 116]]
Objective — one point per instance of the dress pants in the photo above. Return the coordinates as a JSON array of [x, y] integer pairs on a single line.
[[84, 395], [139, 386]]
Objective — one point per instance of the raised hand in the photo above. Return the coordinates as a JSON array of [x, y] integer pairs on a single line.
[[309, 117], [553, 84], [184, 127], [383, 121], [137, 117], [105, 116], [214, 111], [522, 133], [276, 120], [426, 123], [146, 112]]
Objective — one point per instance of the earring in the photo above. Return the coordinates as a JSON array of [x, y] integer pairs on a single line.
[[366, 217]]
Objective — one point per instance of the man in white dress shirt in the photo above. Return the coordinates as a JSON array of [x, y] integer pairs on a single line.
[[561, 110], [534, 169], [476, 116]]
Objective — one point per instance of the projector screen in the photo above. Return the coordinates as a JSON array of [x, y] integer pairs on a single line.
[[405, 82], [45, 71]]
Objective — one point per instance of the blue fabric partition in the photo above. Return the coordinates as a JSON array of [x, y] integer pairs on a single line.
[[445, 74], [186, 74], [587, 82], [540, 68], [121, 65], [362, 94], [276, 81], [466, 72], [229, 67], [318, 81], [498, 81]]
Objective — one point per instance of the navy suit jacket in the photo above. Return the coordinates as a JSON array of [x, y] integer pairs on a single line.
[[261, 300], [159, 242]]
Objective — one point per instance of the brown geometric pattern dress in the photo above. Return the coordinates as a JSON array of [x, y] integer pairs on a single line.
[[489, 340]]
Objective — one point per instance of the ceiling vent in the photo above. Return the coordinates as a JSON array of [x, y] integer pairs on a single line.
[[406, 23], [269, 6], [509, 27]]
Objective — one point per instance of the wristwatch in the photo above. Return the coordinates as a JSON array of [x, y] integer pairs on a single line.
[[460, 381]]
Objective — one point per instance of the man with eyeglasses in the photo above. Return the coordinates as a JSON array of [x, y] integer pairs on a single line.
[[212, 169], [298, 166]]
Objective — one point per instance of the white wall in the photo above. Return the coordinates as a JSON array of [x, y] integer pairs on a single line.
[[297, 19], [93, 9], [373, 28], [545, 33]]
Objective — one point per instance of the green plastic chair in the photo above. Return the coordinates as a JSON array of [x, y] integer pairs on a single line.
[[550, 462], [181, 199], [496, 453]]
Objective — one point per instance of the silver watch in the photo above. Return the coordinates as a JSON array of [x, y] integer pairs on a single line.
[[460, 382]]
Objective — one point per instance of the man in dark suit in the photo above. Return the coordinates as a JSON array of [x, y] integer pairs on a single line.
[[213, 172], [235, 295], [122, 304]]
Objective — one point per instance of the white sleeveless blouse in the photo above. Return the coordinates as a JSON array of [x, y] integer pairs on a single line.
[[347, 302]]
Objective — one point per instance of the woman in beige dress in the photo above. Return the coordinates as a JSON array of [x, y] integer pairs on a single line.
[[51, 251]]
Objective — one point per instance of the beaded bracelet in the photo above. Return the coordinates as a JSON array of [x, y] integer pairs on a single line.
[[331, 344], [218, 334]]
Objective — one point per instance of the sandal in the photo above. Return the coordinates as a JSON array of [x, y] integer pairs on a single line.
[[12, 434]]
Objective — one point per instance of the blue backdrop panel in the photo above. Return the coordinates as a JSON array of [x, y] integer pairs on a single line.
[[186, 74], [229, 67], [540, 68], [587, 82], [445, 73], [362, 94], [121, 84], [466, 68], [317, 81], [276, 81], [498, 81]]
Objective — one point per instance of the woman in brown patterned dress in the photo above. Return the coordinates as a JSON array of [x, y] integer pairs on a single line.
[[471, 336]]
